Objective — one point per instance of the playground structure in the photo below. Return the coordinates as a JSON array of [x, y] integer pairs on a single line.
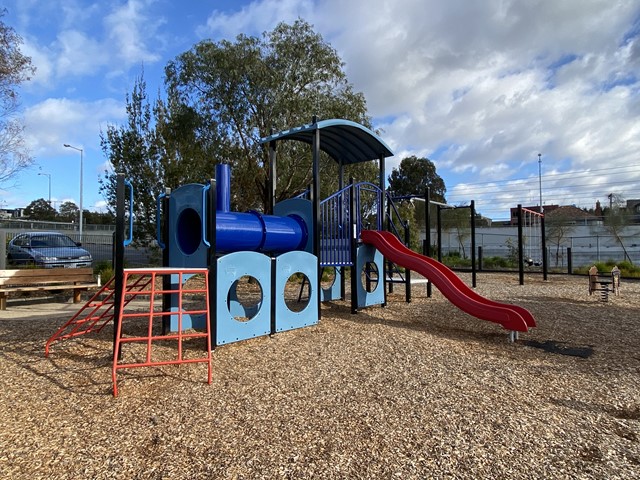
[[296, 238]]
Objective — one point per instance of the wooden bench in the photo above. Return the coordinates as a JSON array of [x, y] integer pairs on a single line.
[[41, 279]]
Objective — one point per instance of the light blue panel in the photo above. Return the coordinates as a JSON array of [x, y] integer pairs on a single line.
[[188, 321], [197, 322], [231, 268], [333, 292], [288, 264], [368, 253]]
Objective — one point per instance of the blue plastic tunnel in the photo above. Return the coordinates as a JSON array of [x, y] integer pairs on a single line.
[[253, 231], [257, 232]]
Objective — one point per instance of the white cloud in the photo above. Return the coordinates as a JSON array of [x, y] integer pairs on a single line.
[[73, 61], [49, 123], [254, 18], [130, 29]]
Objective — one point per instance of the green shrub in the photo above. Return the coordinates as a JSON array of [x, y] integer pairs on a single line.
[[627, 269], [104, 269]]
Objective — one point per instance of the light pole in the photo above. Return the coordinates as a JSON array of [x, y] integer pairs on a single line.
[[540, 178], [81, 168], [48, 175]]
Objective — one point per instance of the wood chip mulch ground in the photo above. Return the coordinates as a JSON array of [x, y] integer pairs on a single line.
[[409, 391]]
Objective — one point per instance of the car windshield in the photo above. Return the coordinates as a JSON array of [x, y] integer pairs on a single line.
[[52, 241]]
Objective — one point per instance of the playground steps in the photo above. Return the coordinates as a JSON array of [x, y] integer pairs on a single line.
[[95, 314], [136, 331]]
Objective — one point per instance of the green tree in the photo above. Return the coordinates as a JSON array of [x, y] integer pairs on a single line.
[[412, 177], [99, 218], [40, 210], [240, 91], [616, 220], [558, 230], [15, 68], [133, 150], [221, 99], [459, 221], [69, 212]]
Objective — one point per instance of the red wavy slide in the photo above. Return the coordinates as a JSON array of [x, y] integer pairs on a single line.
[[511, 317]]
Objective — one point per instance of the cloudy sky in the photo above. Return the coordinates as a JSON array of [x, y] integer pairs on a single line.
[[480, 88]]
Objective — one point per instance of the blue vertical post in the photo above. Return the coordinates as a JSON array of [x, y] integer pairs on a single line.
[[223, 187]]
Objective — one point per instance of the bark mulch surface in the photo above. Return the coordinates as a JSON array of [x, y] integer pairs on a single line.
[[418, 390]]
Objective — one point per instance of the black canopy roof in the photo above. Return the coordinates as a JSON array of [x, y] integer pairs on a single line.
[[345, 141]]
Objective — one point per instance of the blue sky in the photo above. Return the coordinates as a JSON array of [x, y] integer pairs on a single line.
[[480, 88]]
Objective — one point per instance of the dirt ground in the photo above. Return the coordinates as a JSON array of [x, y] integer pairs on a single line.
[[418, 390]]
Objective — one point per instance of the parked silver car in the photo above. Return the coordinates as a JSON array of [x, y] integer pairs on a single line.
[[47, 250]]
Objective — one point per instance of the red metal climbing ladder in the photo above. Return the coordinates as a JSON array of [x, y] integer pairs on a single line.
[[95, 314], [142, 357]]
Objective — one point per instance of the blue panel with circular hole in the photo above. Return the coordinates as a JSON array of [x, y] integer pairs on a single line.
[[369, 254], [230, 269], [289, 264], [333, 292], [186, 248]]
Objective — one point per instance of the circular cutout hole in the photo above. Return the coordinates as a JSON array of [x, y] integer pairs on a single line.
[[369, 276], [297, 292], [188, 231], [244, 298]]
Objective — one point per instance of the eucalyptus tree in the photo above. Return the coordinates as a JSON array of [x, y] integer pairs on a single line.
[[220, 99], [242, 90]]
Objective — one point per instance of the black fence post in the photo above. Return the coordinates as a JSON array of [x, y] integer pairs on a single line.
[[407, 272], [520, 249], [569, 261], [426, 247], [472, 208]]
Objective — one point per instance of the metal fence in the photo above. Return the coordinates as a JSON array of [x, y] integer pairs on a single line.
[[29, 248], [585, 250]]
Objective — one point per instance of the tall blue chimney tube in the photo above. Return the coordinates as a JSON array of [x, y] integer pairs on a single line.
[[223, 187]]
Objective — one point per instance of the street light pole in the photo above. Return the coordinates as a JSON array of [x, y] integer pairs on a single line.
[[48, 175], [81, 175]]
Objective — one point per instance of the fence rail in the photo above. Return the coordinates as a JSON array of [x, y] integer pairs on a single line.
[[100, 246]]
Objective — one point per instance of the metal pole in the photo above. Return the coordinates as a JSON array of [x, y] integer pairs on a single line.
[[520, 252], [427, 223], [540, 178], [472, 209], [49, 177], [81, 177]]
